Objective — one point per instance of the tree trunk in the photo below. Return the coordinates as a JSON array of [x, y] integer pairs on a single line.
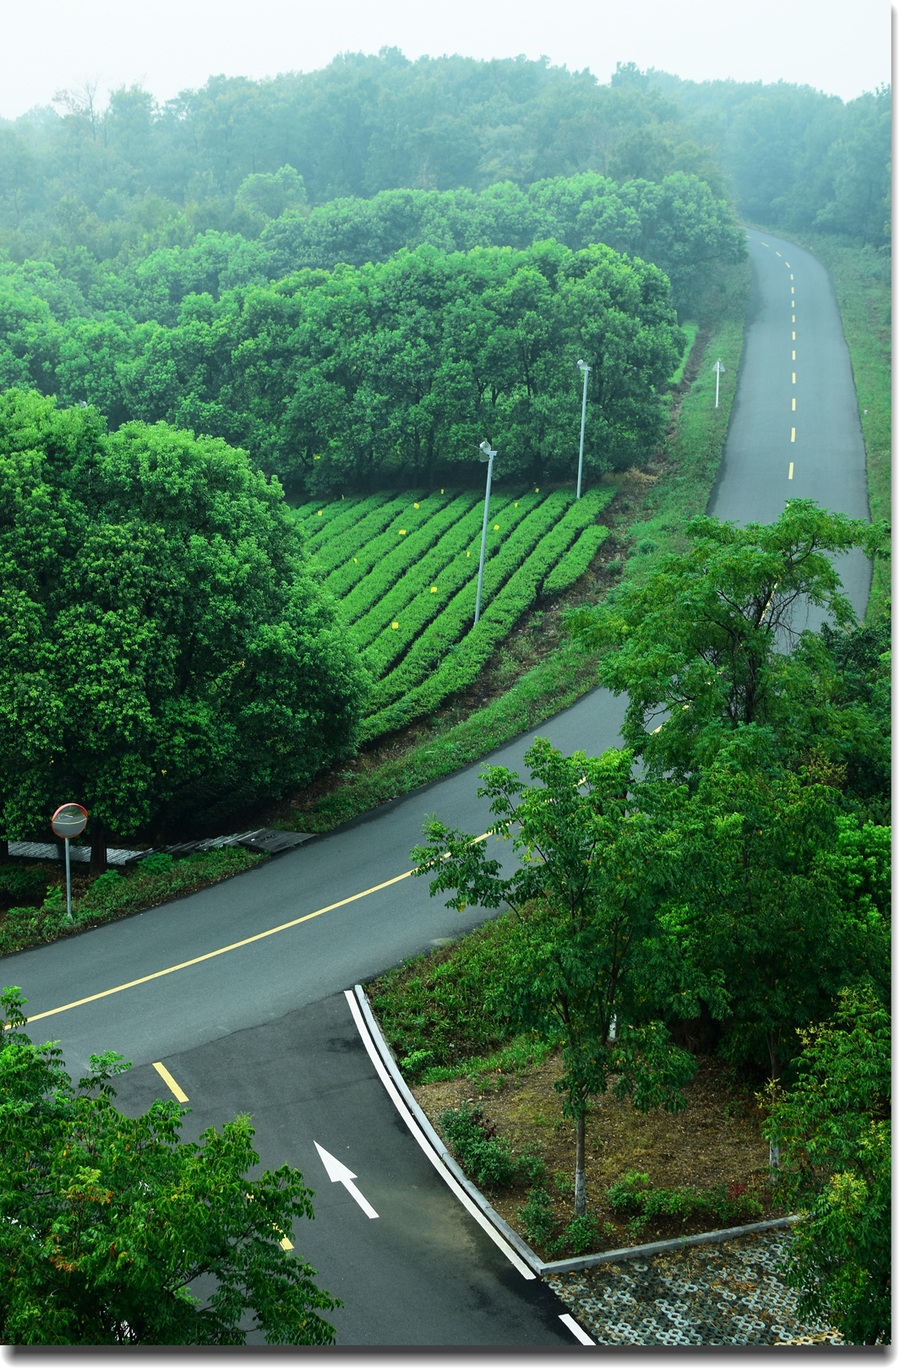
[[579, 1164], [98, 849]]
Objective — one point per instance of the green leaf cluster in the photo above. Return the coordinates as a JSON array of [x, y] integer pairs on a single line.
[[834, 1135], [162, 637], [109, 1222]]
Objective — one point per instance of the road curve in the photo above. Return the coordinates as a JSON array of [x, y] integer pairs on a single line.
[[239, 968]]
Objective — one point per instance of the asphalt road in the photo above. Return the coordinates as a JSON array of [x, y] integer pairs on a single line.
[[236, 989], [794, 431], [430, 1276]]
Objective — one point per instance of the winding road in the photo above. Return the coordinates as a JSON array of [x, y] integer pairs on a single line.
[[233, 997]]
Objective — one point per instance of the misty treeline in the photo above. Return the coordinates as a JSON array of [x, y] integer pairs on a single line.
[[228, 261], [111, 177]]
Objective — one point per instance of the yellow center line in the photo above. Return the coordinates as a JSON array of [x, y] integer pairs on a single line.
[[794, 378], [170, 1081], [787, 264], [794, 334], [793, 404], [793, 435], [791, 472], [229, 948], [794, 357]]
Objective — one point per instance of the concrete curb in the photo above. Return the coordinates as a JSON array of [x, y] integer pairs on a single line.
[[437, 1143], [649, 1250], [539, 1267]]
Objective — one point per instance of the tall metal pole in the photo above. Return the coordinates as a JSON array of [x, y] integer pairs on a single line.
[[489, 455], [68, 886], [585, 369]]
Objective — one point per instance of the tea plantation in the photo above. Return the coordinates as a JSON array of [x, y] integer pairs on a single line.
[[405, 569]]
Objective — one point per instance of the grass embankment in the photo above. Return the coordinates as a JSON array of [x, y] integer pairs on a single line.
[[862, 282], [539, 671], [492, 1096], [33, 902]]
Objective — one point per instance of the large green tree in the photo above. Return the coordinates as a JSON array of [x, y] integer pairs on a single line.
[[702, 646], [594, 869], [782, 895], [163, 642], [834, 1136], [107, 1222]]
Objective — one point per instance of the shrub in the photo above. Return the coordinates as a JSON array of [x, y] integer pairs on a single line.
[[415, 1063], [633, 1194], [21, 884], [583, 1235], [34, 924], [531, 1169], [537, 1215], [485, 1158]]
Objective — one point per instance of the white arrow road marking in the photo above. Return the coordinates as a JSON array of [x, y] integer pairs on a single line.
[[338, 1172]]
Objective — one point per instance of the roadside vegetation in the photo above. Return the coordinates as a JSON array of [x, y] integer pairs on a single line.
[[713, 898], [33, 898]]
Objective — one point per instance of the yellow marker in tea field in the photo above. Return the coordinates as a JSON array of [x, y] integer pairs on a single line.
[[433, 589], [395, 625]]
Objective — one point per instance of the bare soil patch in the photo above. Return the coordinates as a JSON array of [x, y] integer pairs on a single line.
[[715, 1141]]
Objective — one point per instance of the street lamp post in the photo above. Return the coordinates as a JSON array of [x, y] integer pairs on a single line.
[[489, 455], [585, 369]]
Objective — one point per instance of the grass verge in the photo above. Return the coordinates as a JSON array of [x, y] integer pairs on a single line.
[[111, 896]]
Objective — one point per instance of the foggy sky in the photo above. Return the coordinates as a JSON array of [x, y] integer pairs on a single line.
[[839, 46]]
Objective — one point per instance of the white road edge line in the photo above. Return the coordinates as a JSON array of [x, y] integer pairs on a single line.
[[426, 1147], [575, 1328]]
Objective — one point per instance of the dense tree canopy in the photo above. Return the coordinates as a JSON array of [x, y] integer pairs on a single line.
[[163, 640], [701, 648], [393, 371]]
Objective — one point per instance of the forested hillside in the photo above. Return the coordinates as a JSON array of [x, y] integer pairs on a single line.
[[358, 273]]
